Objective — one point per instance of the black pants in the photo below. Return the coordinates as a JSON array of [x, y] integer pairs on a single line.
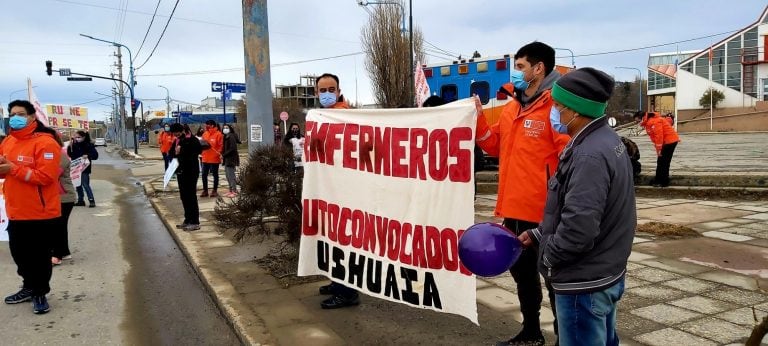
[[30, 243], [526, 274], [188, 192], [60, 238], [166, 160], [212, 168], [662, 164]]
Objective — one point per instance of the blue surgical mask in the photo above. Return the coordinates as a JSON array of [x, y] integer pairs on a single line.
[[554, 118], [517, 78], [327, 99], [18, 122], [167, 129]]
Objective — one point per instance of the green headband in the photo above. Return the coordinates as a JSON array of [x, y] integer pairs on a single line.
[[578, 104]]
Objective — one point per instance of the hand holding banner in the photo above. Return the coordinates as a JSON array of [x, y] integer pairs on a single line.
[[76, 169]]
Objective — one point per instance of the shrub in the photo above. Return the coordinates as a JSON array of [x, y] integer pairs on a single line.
[[270, 197], [717, 96]]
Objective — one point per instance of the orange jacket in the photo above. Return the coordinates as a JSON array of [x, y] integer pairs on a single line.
[[340, 104], [165, 140], [660, 131], [528, 150], [31, 187], [216, 140]]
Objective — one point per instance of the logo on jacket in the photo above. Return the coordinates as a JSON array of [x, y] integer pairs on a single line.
[[533, 128]]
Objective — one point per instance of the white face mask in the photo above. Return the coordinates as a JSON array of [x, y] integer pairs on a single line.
[[225, 130]]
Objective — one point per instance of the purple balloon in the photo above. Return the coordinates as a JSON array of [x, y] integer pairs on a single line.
[[489, 249]]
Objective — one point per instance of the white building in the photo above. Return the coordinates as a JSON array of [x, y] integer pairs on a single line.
[[737, 66]]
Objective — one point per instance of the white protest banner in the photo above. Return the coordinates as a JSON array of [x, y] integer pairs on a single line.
[[386, 196], [3, 215], [420, 83], [172, 166], [39, 110], [76, 169], [67, 117]]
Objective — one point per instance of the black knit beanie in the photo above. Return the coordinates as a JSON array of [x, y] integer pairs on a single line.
[[586, 91]]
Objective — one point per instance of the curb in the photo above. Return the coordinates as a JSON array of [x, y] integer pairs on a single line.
[[249, 328]]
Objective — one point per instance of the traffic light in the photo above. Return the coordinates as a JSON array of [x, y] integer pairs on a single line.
[[133, 106], [49, 67]]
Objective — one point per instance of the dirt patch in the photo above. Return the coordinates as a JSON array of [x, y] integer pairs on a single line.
[[283, 268], [667, 230]]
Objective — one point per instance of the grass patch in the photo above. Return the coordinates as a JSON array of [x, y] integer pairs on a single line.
[[662, 229]]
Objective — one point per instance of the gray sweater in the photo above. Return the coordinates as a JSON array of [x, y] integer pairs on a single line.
[[590, 218], [69, 195]]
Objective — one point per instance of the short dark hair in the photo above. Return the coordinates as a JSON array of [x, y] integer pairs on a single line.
[[210, 122], [327, 75], [433, 101], [24, 104], [536, 52], [176, 127]]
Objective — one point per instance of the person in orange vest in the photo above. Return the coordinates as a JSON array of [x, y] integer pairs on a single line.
[[329, 94], [164, 141], [527, 140], [665, 139], [29, 162], [212, 156]]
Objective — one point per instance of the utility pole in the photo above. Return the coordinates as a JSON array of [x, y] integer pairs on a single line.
[[121, 103], [257, 74]]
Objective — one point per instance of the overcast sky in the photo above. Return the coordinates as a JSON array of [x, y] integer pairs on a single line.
[[206, 35]]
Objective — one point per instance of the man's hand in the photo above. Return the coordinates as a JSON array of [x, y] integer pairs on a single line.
[[3, 160], [525, 238], [5, 167], [178, 149], [478, 105]]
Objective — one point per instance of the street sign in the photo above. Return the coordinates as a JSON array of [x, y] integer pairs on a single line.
[[79, 79], [283, 116], [236, 87], [232, 87], [65, 72]]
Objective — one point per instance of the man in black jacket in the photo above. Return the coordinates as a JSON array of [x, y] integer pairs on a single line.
[[186, 149], [589, 220]]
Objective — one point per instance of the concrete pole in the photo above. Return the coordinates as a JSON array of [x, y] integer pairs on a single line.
[[257, 73]]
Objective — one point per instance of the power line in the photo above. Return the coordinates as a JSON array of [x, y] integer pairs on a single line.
[[92, 101], [161, 34], [656, 45], [149, 27], [238, 69]]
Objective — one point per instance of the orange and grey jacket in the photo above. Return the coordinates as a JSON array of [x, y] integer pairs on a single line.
[[31, 188]]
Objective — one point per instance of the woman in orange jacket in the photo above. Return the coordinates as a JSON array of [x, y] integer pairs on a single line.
[[164, 141], [29, 162], [665, 139], [212, 156]]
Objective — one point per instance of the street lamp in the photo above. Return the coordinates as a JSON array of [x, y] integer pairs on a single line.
[[10, 96], [573, 61], [412, 90], [639, 88], [167, 101], [130, 85]]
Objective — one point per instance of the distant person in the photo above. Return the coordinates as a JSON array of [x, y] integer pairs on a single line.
[[278, 133], [82, 146], [212, 156], [60, 238], [665, 139], [186, 149], [231, 158], [164, 141], [634, 157], [585, 237], [329, 93], [29, 162], [295, 140], [528, 140]]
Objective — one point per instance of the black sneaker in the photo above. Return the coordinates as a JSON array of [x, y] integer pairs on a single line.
[[91, 204], [21, 296], [326, 290], [181, 226], [524, 339], [40, 305], [80, 204]]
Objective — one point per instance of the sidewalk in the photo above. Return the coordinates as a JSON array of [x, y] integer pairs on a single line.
[[695, 291]]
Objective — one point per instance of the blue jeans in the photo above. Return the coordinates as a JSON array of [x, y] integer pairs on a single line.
[[85, 184], [590, 318]]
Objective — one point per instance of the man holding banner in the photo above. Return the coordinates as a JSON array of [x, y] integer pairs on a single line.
[[527, 147]]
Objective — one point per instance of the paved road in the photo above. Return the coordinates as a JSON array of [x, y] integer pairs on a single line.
[[127, 282]]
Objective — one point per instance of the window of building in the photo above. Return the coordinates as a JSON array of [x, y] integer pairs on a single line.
[[482, 90], [750, 38], [702, 66], [718, 65], [687, 66], [449, 92]]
